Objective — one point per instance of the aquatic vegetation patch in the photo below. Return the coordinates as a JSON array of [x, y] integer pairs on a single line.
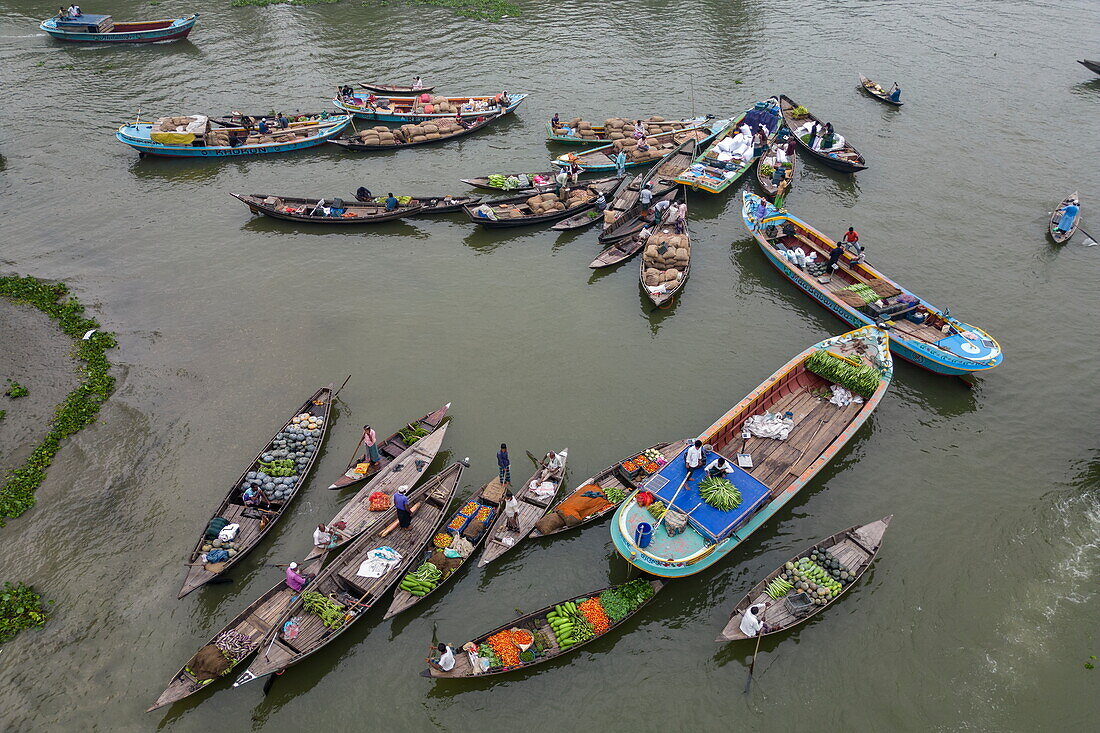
[[16, 390], [20, 608], [79, 408], [265, 3], [493, 10]]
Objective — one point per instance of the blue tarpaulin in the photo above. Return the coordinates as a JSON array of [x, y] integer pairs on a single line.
[[705, 518]]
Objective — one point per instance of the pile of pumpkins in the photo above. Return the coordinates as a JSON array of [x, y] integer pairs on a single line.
[[298, 442], [665, 259], [230, 547]]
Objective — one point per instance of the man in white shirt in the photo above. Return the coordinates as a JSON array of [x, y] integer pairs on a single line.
[[323, 539], [554, 463], [693, 459], [751, 623], [446, 658], [645, 196], [511, 511], [719, 467]]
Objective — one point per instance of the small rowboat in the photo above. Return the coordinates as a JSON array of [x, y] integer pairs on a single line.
[[235, 119], [769, 159], [388, 450], [716, 168], [102, 29], [854, 549], [570, 134], [779, 469], [353, 588], [1090, 65], [1061, 236], [545, 646], [407, 469], [517, 211], [289, 208], [514, 181], [615, 482], [394, 88], [255, 522], [143, 138], [411, 109], [501, 539], [845, 158], [860, 295], [585, 218], [876, 91], [630, 222], [444, 204], [491, 496], [623, 221], [249, 627], [444, 130], [602, 159], [664, 291]]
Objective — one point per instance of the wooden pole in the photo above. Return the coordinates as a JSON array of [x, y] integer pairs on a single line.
[[752, 666]]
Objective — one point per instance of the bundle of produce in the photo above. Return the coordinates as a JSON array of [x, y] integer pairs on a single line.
[[522, 638], [329, 611], [655, 455], [458, 522], [423, 580], [863, 291], [484, 514], [720, 493], [402, 201], [379, 501], [233, 644], [614, 494], [280, 467], [442, 540], [569, 625], [766, 169], [620, 601], [778, 588], [799, 112], [504, 646], [595, 615], [545, 203], [410, 433], [857, 378], [808, 577], [486, 652], [657, 509], [507, 183], [630, 466], [838, 570]]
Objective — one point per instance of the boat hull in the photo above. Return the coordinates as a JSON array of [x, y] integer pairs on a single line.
[[179, 28], [361, 114], [127, 135]]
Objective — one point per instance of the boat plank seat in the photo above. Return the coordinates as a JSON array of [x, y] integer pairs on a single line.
[[249, 531]]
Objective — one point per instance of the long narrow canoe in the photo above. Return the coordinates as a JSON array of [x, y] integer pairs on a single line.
[[546, 645], [770, 159], [403, 599], [572, 133], [519, 182], [630, 222], [500, 538], [290, 208], [410, 109], [1059, 235], [853, 549], [919, 331], [256, 522], [408, 137], [714, 170], [876, 91], [819, 428], [377, 88], [388, 450], [844, 158], [662, 279], [589, 217], [602, 159], [621, 218], [407, 469], [614, 482], [350, 584], [250, 626], [517, 211]]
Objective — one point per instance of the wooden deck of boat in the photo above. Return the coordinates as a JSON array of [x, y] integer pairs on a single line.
[[531, 510]]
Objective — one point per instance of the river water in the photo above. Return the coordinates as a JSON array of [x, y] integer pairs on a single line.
[[977, 613]]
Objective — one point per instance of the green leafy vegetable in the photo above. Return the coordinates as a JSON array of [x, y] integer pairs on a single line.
[[719, 493], [862, 380]]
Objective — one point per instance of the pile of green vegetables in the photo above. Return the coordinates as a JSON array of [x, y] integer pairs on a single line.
[[614, 494], [401, 200], [719, 493], [799, 112], [412, 433], [506, 183], [657, 509], [279, 468], [330, 612], [778, 588], [423, 580], [766, 170], [864, 291], [569, 625], [862, 380], [486, 652], [622, 600]]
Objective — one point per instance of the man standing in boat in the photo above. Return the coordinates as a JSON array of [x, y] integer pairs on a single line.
[[693, 458], [505, 465]]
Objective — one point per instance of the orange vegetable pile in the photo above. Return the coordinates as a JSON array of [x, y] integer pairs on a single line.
[[468, 507], [630, 466], [457, 522], [483, 513], [505, 647], [442, 540], [595, 615]]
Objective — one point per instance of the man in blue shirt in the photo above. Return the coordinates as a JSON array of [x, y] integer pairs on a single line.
[[401, 504], [391, 202], [895, 93], [504, 464]]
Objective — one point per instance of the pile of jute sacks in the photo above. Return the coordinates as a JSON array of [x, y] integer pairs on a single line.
[[617, 128], [420, 133], [546, 203], [665, 258]]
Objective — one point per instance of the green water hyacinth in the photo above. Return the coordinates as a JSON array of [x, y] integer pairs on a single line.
[[20, 608]]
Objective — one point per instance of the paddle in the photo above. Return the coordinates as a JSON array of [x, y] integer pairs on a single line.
[[341, 387], [752, 666], [1091, 239]]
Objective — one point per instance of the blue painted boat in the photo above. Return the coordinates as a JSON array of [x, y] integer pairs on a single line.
[[412, 109], [603, 157], [90, 28], [147, 141], [818, 428], [714, 170], [919, 332]]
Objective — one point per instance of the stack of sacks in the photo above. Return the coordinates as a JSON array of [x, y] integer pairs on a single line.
[[443, 105], [428, 130], [577, 197], [657, 124], [665, 258], [173, 124], [616, 128], [507, 211], [630, 146], [380, 135], [217, 139], [583, 129], [545, 203]]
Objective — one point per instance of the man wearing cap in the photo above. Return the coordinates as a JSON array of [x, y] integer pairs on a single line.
[[294, 580], [401, 504]]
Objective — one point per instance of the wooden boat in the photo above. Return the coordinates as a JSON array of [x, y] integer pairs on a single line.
[[543, 180], [1059, 236], [722, 163], [618, 251], [855, 549], [623, 220], [778, 469], [254, 622], [407, 469], [769, 159], [298, 632], [411, 109], [876, 91], [150, 139], [289, 208], [919, 331], [444, 204], [388, 450], [602, 159], [571, 133], [237, 119], [846, 158], [1090, 65], [255, 522], [394, 88], [518, 211], [490, 495], [89, 28], [538, 624], [500, 539], [627, 224], [662, 291], [406, 137], [615, 482], [589, 217]]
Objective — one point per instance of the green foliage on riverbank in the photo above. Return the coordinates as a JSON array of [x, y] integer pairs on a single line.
[[20, 608], [80, 406], [16, 390], [493, 10], [264, 3]]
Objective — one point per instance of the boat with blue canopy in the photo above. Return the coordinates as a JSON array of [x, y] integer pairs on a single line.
[[91, 28], [425, 107], [192, 137], [757, 456], [732, 153], [860, 295]]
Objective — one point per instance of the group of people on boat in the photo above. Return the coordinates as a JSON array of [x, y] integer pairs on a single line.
[[822, 138], [73, 11]]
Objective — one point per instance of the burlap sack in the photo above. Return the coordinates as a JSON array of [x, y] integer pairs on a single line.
[[433, 136], [473, 529], [575, 122], [534, 200], [419, 138], [550, 523]]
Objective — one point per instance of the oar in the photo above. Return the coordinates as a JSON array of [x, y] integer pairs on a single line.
[[670, 501], [341, 387], [752, 666], [1092, 240]]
